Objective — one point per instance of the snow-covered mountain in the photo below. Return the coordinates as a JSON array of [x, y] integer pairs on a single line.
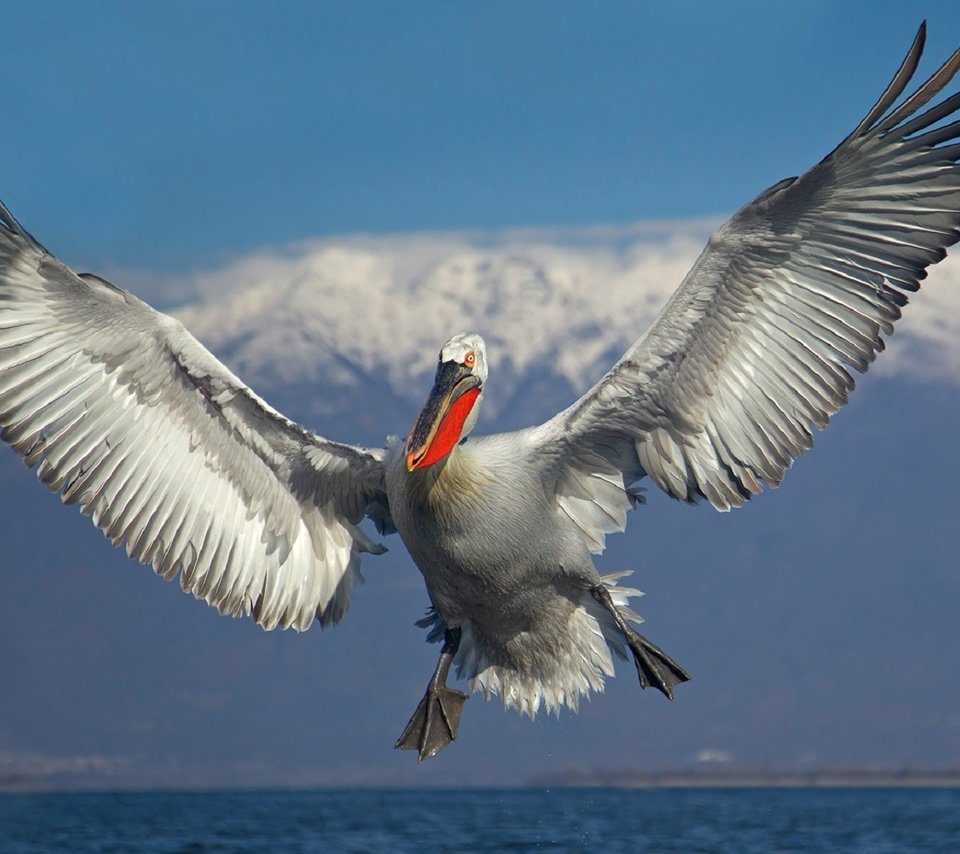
[[352, 315]]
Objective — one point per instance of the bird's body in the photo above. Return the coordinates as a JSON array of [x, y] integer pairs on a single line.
[[124, 413], [499, 563]]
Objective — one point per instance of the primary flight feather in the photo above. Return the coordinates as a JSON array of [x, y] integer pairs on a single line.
[[125, 414]]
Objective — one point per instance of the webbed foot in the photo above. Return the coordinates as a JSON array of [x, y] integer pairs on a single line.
[[654, 667], [435, 722]]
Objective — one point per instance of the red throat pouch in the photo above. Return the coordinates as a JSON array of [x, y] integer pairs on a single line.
[[449, 433]]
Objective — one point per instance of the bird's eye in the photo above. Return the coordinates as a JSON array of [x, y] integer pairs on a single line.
[[470, 359]]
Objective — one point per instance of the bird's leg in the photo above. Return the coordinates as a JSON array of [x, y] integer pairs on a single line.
[[654, 666], [435, 722]]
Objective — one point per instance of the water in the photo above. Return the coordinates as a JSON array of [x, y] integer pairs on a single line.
[[608, 820]]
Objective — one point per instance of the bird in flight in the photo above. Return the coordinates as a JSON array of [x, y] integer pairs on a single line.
[[123, 413]]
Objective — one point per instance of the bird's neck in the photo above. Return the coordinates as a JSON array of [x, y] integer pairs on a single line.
[[454, 480]]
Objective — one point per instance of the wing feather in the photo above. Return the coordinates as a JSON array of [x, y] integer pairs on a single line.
[[789, 299], [123, 413]]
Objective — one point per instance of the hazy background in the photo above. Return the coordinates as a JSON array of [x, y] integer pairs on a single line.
[[325, 192]]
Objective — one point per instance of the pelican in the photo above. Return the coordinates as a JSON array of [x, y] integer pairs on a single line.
[[126, 415]]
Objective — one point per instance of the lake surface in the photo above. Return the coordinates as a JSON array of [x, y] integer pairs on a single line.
[[608, 820]]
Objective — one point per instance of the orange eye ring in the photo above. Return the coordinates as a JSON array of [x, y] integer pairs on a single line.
[[470, 359]]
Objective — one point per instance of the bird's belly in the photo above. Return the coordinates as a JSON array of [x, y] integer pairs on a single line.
[[505, 582], [494, 553], [525, 632], [504, 566]]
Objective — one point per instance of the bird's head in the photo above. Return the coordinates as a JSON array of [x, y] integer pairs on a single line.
[[451, 410]]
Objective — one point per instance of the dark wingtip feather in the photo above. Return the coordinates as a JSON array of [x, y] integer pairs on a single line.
[[10, 223], [896, 86]]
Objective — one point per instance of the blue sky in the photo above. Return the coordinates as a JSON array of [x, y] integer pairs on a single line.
[[168, 137]]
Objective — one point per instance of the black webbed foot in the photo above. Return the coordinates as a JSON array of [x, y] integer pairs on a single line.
[[654, 667], [435, 722]]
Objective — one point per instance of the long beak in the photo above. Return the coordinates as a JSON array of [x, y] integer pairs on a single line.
[[437, 428]]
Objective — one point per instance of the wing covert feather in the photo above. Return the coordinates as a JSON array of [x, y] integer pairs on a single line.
[[124, 413], [789, 298]]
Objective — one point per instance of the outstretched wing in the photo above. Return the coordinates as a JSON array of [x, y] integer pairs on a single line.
[[125, 414], [759, 342]]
